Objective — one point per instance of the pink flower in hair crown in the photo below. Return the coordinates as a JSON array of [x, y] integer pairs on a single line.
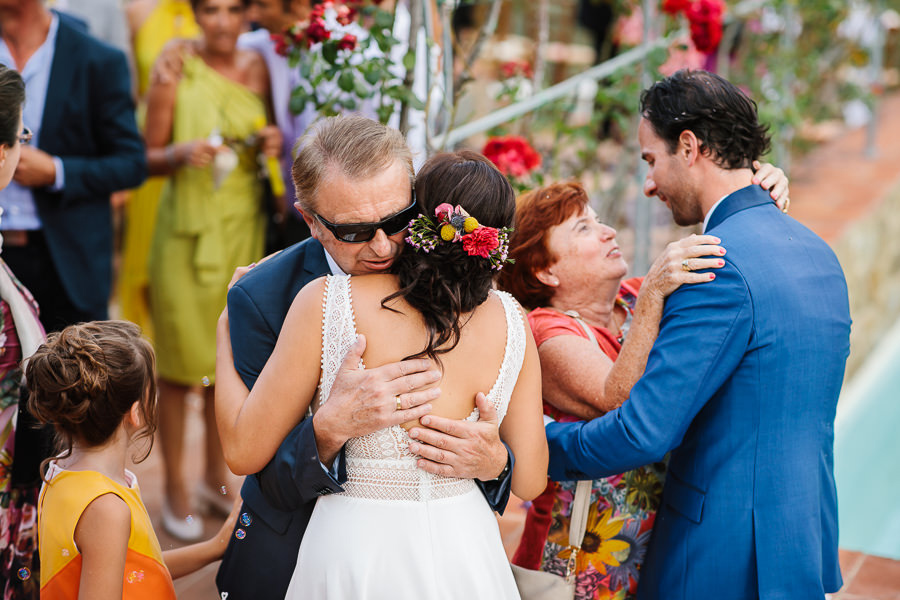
[[442, 211], [454, 224]]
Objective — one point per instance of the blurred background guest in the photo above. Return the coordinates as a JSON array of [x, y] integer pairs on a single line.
[[58, 223], [203, 130], [20, 335], [274, 17], [151, 24]]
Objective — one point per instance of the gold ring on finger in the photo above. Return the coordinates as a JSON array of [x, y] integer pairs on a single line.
[[685, 266], [399, 405], [786, 205]]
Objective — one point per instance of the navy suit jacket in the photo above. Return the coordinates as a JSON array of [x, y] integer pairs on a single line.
[[279, 500], [742, 386], [89, 123]]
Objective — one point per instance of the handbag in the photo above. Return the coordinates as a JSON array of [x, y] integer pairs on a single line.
[[540, 585]]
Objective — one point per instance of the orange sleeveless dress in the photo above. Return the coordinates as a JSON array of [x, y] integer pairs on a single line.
[[62, 501]]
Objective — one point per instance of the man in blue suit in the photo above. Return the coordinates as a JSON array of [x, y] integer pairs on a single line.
[[353, 179], [742, 383]]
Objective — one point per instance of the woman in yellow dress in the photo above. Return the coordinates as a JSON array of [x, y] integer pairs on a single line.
[[204, 131], [152, 23]]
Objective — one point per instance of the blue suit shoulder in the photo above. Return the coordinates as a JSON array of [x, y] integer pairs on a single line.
[[259, 302], [276, 281]]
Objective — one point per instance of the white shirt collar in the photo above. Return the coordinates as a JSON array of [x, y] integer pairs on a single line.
[[332, 264], [711, 211]]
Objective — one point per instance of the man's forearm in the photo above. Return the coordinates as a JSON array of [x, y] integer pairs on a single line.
[[327, 444]]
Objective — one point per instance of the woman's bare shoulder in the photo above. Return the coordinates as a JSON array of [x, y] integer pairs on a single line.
[[254, 71], [136, 12]]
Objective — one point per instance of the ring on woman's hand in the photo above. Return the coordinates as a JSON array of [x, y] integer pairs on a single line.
[[399, 406], [685, 266], [787, 203]]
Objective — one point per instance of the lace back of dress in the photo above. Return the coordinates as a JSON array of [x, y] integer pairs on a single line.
[[338, 330], [379, 465]]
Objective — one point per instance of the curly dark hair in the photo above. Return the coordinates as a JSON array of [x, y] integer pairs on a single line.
[[84, 380], [446, 283], [722, 117]]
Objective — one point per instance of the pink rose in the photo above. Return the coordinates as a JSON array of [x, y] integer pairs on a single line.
[[443, 210], [345, 14], [481, 242]]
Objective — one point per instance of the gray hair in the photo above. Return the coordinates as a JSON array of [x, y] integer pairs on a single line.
[[355, 145]]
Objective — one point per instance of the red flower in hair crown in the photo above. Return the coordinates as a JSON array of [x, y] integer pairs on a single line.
[[454, 224]]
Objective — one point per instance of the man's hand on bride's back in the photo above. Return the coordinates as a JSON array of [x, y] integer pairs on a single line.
[[365, 400], [467, 449]]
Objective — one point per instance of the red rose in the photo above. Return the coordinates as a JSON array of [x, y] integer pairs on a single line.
[[513, 155], [673, 7], [705, 17], [281, 46], [348, 42], [481, 242], [317, 32]]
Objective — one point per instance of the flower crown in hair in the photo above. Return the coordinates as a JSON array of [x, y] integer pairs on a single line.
[[454, 224]]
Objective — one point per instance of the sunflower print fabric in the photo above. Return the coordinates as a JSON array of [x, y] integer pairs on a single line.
[[623, 508]]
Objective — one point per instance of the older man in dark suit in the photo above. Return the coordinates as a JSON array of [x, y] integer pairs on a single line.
[[354, 179]]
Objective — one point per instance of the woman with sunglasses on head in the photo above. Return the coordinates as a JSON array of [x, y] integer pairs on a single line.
[[20, 335], [204, 131], [396, 530]]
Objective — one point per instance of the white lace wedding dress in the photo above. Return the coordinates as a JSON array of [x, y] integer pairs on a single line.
[[396, 531]]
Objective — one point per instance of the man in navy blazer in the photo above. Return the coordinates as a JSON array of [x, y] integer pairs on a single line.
[[88, 147], [742, 383], [353, 178]]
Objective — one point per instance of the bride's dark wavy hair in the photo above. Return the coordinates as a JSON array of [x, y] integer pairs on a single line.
[[446, 283]]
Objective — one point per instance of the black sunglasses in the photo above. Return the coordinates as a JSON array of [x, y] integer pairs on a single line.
[[25, 136], [357, 233]]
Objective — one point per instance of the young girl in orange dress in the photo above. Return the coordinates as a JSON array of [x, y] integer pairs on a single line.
[[96, 383]]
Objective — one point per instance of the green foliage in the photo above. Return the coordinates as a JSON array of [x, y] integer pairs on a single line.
[[336, 78]]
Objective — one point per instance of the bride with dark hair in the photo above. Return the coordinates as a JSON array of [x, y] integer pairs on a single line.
[[397, 531]]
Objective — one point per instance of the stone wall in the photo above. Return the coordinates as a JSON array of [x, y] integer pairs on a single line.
[[869, 251]]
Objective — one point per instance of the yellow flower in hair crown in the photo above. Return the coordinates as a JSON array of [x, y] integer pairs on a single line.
[[454, 224]]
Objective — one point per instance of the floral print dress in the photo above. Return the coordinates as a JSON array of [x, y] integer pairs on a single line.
[[623, 507], [19, 577]]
